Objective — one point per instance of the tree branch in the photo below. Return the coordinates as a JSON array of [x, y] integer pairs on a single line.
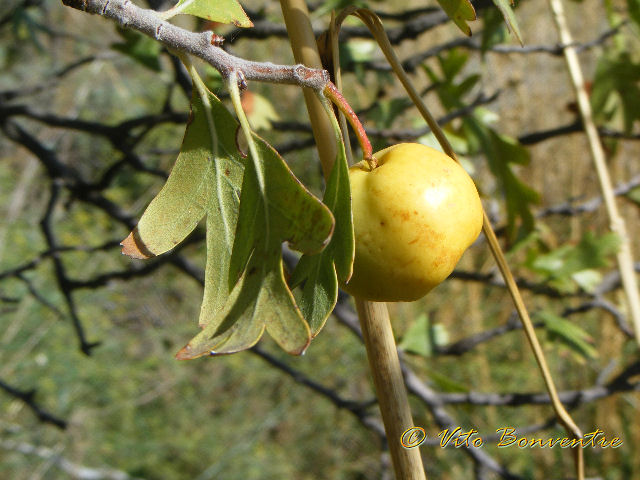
[[28, 397], [199, 45]]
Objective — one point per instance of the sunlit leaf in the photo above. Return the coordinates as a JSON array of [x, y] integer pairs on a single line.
[[460, 11], [417, 339], [223, 11], [260, 111], [509, 17], [571, 265]]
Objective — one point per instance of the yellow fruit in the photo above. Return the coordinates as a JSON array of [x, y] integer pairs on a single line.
[[414, 216]]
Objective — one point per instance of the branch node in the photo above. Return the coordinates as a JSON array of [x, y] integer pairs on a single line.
[[242, 80], [216, 40]]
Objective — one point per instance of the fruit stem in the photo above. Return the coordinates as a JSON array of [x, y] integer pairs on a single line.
[[333, 94]]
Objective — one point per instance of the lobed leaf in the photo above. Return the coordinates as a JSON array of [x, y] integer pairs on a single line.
[[321, 273], [509, 17], [460, 11], [223, 11]]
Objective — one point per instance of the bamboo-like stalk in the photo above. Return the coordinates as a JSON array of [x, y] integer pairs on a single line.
[[616, 222], [384, 364], [305, 51], [374, 317]]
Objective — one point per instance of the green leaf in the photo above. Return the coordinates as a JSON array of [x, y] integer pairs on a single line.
[[205, 180], [634, 195], [569, 334], [449, 91], [321, 273], [259, 295], [245, 289], [199, 183], [443, 382], [569, 265], [501, 153], [295, 215], [616, 90], [223, 11], [259, 300], [460, 11], [494, 31], [509, 17], [634, 10], [385, 111], [417, 338]]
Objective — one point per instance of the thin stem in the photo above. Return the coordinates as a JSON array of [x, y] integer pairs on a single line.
[[374, 24], [234, 93], [616, 222], [333, 94]]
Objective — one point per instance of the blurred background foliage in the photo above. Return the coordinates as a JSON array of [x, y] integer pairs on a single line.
[[91, 119]]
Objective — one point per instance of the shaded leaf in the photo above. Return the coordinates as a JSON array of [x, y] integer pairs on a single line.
[[295, 215], [321, 273], [445, 383], [141, 48], [509, 17], [616, 90], [494, 31], [239, 303], [385, 111], [195, 180], [569, 334], [223, 11], [460, 11], [259, 300], [633, 6], [634, 195], [501, 153], [417, 339]]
